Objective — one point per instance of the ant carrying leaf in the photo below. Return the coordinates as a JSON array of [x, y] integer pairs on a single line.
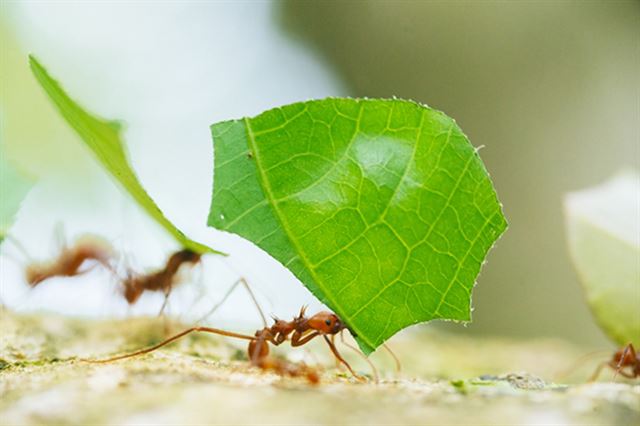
[[300, 331], [242, 281]]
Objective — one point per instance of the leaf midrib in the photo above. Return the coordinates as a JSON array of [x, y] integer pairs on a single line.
[[279, 216]]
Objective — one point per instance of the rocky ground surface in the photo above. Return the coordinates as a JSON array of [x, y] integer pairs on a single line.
[[204, 379]]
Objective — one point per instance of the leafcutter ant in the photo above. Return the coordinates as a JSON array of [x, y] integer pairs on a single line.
[[247, 287], [625, 359], [70, 260], [300, 331]]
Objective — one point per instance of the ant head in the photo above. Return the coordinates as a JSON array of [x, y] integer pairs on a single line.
[[188, 256], [326, 323], [131, 290]]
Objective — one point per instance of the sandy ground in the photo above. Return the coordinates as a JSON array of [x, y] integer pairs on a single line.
[[204, 379]]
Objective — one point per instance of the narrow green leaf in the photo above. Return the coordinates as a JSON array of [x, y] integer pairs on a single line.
[[103, 138], [14, 186], [382, 208], [603, 228]]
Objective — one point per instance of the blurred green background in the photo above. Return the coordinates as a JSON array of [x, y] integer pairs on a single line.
[[550, 89]]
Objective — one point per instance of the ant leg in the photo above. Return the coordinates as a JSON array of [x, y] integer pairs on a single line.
[[94, 263], [629, 349], [367, 360], [561, 375], [58, 232], [298, 340], [17, 244], [200, 285], [333, 340], [88, 269], [167, 293], [596, 373], [166, 319], [255, 301], [393, 355], [256, 357], [13, 259], [172, 339], [627, 375], [342, 360], [220, 303], [245, 284], [105, 263]]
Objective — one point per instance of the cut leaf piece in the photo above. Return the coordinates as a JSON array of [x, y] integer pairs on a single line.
[[603, 227], [382, 208], [14, 186], [103, 138]]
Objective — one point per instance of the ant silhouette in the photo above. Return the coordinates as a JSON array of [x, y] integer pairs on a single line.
[[626, 357], [68, 263], [163, 280], [300, 331]]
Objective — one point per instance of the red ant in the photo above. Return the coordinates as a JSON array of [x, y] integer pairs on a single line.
[[300, 331], [68, 263], [245, 284], [162, 280], [625, 357], [91, 248]]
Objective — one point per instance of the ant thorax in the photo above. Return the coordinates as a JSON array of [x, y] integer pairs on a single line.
[[301, 324]]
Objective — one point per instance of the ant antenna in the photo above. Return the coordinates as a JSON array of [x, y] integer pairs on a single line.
[[363, 356], [596, 373], [335, 352], [393, 355], [580, 361], [170, 340]]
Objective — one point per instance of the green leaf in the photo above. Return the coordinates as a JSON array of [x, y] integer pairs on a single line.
[[103, 138], [603, 227], [14, 186], [382, 208]]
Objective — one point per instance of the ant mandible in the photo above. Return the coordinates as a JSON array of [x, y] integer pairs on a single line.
[[300, 331], [162, 280], [626, 357]]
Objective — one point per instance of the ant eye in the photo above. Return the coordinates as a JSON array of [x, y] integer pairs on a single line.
[[328, 322]]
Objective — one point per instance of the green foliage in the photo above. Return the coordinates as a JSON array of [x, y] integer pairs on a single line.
[[603, 227], [382, 208], [14, 186], [103, 138]]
